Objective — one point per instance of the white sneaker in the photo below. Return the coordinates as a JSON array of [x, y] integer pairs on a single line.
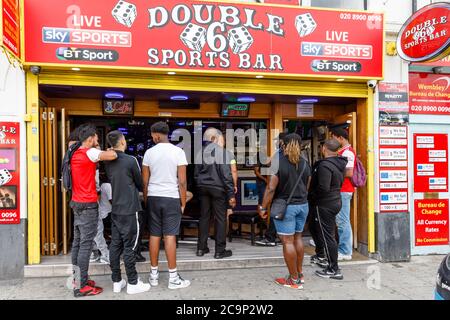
[[104, 260], [139, 287], [312, 243], [178, 283], [343, 257], [154, 279], [118, 286]]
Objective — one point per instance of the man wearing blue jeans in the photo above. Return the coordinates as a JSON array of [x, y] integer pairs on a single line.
[[343, 217]]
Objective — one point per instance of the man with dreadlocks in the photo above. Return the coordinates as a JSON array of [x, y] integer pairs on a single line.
[[291, 181]]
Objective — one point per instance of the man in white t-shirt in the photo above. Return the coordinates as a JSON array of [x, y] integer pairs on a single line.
[[165, 185]]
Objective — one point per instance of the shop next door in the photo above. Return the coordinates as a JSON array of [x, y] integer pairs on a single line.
[[429, 202]]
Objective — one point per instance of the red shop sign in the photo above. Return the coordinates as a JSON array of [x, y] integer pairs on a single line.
[[429, 93], [9, 173], [431, 222], [444, 62], [11, 25], [430, 162], [205, 36], [286, 2], [426, 34]]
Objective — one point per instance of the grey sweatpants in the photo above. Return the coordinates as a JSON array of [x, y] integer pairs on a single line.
[[99, 240]]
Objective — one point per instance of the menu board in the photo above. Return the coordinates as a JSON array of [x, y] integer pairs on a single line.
[[430, 162]]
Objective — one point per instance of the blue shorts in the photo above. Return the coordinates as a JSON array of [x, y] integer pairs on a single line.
[[294, 220]]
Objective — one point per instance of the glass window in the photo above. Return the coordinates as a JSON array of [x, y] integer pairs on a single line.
[[340, 4]]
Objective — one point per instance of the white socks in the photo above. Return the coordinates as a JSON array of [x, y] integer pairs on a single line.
[[154, 270], [173, 273]]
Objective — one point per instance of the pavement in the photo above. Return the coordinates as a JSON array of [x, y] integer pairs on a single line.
[[414, 280]]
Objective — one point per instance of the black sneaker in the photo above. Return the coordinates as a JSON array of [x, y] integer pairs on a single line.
[[321, 262], [266, 243], [330, 274], [223, 254], [201, 253], [140, 258]]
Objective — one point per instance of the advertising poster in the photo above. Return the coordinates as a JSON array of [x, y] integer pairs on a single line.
[[429, 93], [393, 103], [205, 36], [430, 162], [393, 164], [9, 173], [431, 222]]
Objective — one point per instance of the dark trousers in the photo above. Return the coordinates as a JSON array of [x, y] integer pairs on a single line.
[[124, 238], [85, 221], [271, 232], [143, 223], [325, 233], [314, 229], [212, 201]]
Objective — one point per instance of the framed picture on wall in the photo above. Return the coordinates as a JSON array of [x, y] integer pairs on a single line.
[[249, 193]]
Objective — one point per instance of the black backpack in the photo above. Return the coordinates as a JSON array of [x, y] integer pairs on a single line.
[[66, 170]]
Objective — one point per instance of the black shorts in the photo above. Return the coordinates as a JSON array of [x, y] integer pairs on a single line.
[[165, 216]]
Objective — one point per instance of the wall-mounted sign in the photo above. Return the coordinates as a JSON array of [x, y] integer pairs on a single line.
[[444, 62], [393, 168], [113, 107], [426, 34], [430, 162], [234, 110], [431, 222], [429, 93], [199, 36], [10, 26], [393, 97], [9, 173], [305, 110]]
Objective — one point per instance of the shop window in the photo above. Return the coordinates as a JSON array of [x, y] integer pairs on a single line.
[[340, 4]]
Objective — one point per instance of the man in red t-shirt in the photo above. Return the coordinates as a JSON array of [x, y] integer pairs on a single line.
[[343, 217], [85, 206]]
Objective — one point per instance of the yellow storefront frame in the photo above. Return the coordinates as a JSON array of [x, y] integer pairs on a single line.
[[118, 79]]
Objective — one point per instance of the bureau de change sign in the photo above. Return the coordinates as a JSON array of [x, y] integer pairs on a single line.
[[204, 36]]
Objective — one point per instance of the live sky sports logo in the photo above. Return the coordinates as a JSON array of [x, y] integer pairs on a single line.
[[86, 37], [336, 50]]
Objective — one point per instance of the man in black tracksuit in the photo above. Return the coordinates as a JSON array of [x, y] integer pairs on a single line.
[[325, 203], [216, 191], [126, 182]]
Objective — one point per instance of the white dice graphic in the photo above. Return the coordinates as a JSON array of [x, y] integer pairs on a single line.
[[239, 39], [125, 13], [5, 176], [194, 37], [305, 24]]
